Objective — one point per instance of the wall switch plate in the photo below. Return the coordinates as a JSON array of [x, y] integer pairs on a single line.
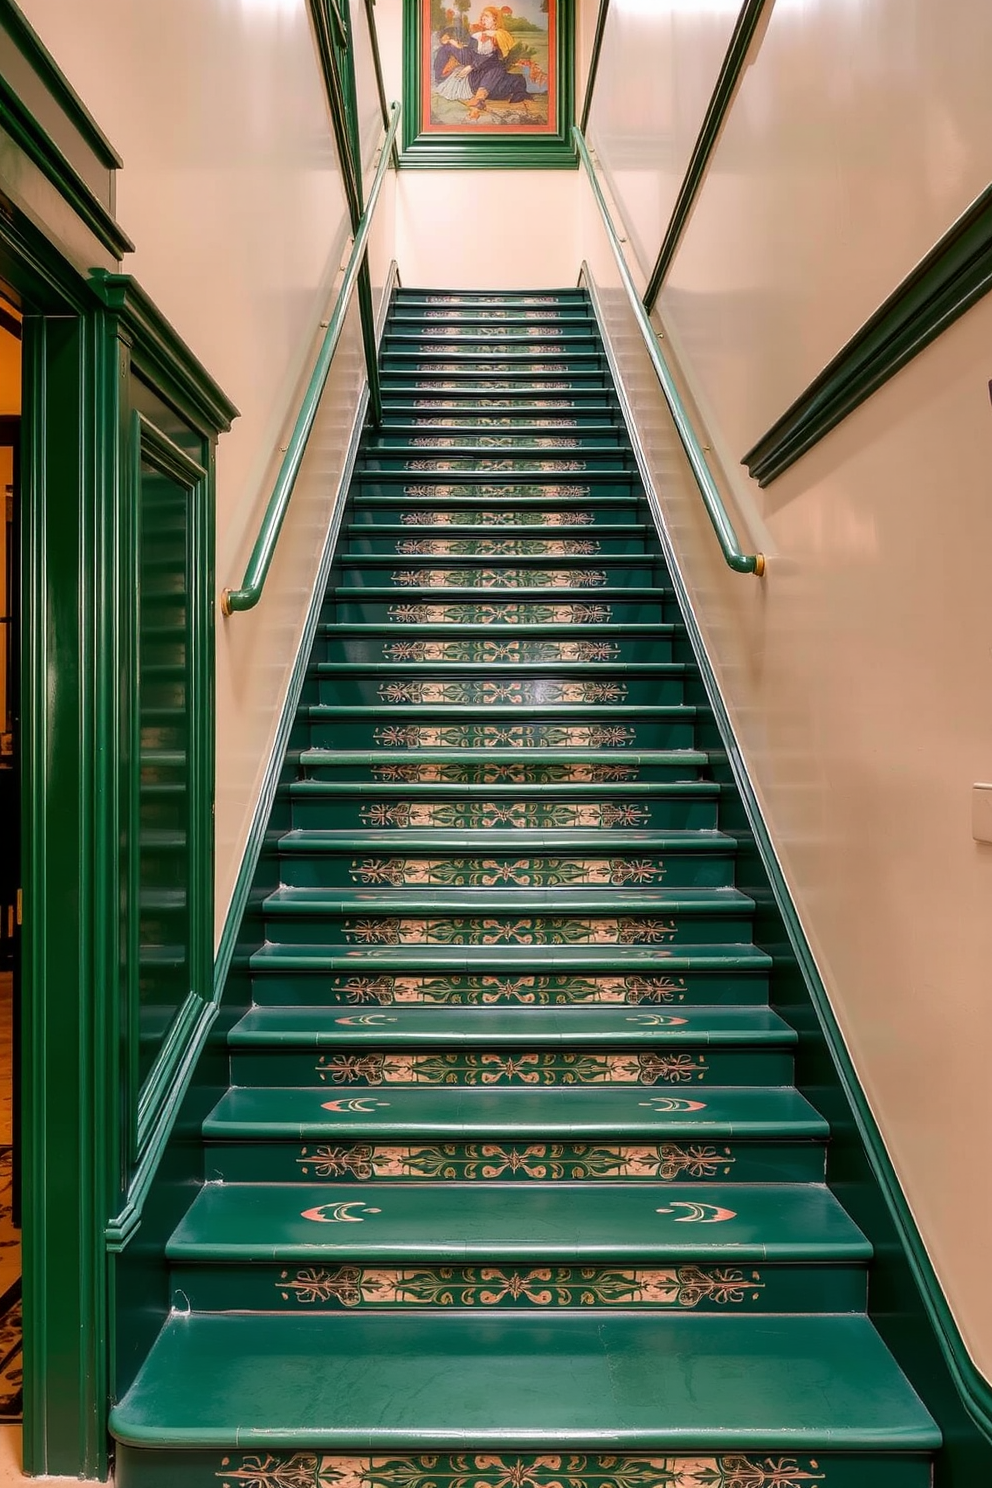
[[981, 812]]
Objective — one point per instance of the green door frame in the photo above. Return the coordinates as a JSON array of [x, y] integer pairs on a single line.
[[100, 369]]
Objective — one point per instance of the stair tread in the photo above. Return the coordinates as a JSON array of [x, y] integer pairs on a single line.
[[539, 1221], [550, 1113], [518, 959], [389, 900], [487, 839], [502, 1027], [456, 1379]]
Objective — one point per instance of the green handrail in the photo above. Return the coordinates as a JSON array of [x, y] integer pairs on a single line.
[[247, 597], [737, 559]]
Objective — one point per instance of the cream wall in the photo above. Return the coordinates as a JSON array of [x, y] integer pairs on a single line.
[[858, 673], [484, 229], [233, 197]]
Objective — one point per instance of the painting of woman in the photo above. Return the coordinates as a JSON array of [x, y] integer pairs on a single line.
[[491, 71]]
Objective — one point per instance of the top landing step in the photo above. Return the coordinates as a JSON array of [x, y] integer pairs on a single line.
[[406, 296]]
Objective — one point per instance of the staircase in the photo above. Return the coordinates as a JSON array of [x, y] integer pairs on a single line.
[[511, 1187]]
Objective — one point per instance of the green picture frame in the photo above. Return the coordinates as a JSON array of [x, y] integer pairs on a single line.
[[453, 49]]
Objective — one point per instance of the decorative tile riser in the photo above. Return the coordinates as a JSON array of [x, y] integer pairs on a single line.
[[491, 464], [767, 1161], [401, 691], [423, 318], [661, 931], [424, 416], [442, 732], [503, 615], [506, 870], [431, 512], [505, 545], [392, 646], [577, 494], [497, 341], [352, 812], [286, 1468], [535, 1069], [316, 1287], [517, 381], [525, 770], [370, 988], [403, 574], [545, 435]]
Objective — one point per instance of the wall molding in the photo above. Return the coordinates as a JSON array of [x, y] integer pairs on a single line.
[[948, 281], [974, 1390], [719, 106]]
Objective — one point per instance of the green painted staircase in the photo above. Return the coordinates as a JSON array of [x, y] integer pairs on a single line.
[[512, 1185]]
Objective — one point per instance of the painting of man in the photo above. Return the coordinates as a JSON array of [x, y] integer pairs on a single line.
[[491, 71]]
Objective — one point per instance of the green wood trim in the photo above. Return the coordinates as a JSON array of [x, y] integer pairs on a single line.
[[597, 47], [974, 1390], [162, 355], [453, 152], [27, 41], [37, 144], [250, 592], [733, 554], [717, 109], [954, 275]]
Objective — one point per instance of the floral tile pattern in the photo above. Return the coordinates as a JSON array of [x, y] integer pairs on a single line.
[[525, 930], [684, 1287], [402, 1068], [482, 547], [509, 612], [473, 815], [492, 441], [497, 772], [525, 991], [541, 690], [487, 463], [487, 1470], [501, 578], [493, 650], [504, 736], [473, 518], [523, 873], [486, 492], [662, 1162]]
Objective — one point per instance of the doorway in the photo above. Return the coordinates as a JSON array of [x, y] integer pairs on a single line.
[[10, 856]]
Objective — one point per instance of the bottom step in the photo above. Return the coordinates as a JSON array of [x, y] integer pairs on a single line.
[[359, 1382], [287, 1468]]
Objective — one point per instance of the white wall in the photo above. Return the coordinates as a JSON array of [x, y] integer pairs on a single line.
[[233, 197], [858, 673]]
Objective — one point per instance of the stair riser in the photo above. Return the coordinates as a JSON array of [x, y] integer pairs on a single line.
[[503, 614], [370, 987], [282, 1468], [562, 317], [401, 383], [542, 437], [486, 488], [527, 772], [328, 1284], [438, 648], [376, 866], [403, 574], [502, 545], [423, 686], [518, 416], [350, 1161], [527, 460], [497, 516], [348, 1068], [400, 738], [424, 927], [462, 395]]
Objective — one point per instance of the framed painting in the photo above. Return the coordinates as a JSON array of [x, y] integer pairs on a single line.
[[488, 85]]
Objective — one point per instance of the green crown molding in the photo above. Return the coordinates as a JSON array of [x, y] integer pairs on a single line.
[[487, 152], [158, 348], [974, 1389], [38, 145], [954, 275], [716, 112], [43, 64]]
